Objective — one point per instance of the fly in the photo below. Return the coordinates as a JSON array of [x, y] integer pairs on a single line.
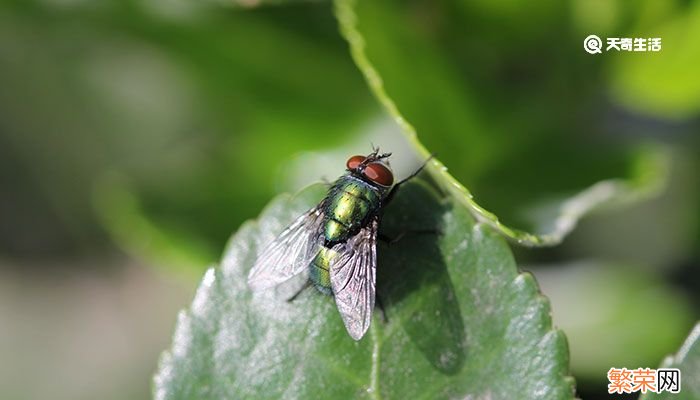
[[335, 242]]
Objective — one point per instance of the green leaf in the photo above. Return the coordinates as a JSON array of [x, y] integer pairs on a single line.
[[461, 320], [687, 360], [423, 86]]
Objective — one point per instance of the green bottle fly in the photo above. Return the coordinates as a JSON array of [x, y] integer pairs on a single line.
[[351, 204], [336, 241]]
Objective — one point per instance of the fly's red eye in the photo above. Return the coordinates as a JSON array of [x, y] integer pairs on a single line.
[[354, 161], [379, 173]]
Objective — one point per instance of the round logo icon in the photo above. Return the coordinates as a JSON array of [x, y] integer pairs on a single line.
[[592, 44]]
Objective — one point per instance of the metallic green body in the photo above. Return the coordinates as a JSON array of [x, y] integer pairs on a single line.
[[319, 270], [351, 203]]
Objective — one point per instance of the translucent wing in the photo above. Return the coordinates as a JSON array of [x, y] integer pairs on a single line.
[[289, 253], [353, 273]]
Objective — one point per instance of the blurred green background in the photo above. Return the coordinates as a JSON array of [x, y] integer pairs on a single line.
[[136, 136]]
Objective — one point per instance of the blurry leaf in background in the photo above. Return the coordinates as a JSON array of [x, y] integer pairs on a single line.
[[600, 16], [617, 18], [462, 322], [184, 107], [648, 180], [663, 84], [656, 235], [687, 360], [606, 311]]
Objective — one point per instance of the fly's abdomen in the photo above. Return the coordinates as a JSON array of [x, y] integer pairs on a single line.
[[319, 270], [349, 204]]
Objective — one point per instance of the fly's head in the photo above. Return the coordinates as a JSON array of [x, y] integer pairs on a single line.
[[373, 168]]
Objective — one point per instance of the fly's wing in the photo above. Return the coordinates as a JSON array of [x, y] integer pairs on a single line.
[[289, 253], [353, 272]]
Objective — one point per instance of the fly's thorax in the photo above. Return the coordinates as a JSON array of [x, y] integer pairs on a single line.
[[349, 204]]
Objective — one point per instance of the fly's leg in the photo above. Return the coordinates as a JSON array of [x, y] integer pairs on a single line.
[[393, 191], [306, 285]]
